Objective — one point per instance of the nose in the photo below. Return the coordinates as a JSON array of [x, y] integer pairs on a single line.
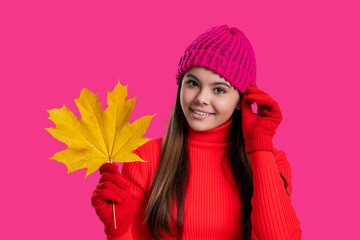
[[203, 96]]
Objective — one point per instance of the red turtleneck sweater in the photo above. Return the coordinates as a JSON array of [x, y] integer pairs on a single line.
[[212, 205]]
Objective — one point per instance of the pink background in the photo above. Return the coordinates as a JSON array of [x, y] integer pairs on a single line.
[[307, 57]]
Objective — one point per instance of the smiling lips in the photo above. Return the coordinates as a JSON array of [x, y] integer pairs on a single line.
[[200, 114]]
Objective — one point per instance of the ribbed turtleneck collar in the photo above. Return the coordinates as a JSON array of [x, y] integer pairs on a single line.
[[219, 134]]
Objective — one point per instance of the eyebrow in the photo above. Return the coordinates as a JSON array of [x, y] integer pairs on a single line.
[[214, 83]]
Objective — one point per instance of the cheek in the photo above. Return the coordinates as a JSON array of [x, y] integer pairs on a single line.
[[183, 101], [225, 105], [185, 97]]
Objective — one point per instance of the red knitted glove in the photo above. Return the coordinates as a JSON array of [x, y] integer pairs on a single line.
[[112, 187], [259, 129]]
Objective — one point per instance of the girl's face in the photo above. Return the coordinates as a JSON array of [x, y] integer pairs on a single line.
[[207, 99]]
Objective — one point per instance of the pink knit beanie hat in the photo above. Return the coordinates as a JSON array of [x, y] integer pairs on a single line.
[[224, 50]]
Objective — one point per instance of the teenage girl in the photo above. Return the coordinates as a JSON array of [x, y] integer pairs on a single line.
[[215, 174]]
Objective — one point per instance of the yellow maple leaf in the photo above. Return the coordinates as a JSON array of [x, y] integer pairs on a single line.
[[99, 136]]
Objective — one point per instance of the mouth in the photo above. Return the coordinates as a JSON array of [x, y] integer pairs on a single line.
[[201, 113]]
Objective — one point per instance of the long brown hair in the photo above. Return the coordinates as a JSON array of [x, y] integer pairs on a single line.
[[172, 175]]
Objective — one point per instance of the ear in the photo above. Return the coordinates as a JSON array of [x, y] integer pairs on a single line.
[[238, 106]]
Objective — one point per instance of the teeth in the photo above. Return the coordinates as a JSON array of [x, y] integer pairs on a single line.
[[201, 113]]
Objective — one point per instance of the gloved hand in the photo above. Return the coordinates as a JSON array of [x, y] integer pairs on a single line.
[[112, 187], [259, 129]]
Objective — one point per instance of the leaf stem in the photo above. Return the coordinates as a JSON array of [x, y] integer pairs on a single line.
[[114, 215], [113, 206]]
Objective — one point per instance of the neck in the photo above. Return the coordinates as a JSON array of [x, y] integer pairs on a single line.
[[219, 134]]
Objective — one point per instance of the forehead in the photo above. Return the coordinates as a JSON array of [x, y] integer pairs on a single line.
[[203, 74]]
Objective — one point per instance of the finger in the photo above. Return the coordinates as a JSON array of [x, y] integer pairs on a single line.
[[122, 193], [261, 100], [255, 90], [109, 195], [246, 106], [252, 84], [266, 106], [276, 116], [109, 167], [118, 180], [265, 112], [272, 110], [97, 199]]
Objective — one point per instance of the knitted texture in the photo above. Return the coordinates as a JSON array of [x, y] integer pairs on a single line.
[[259, 129], [113, 191], [226, 51], [212, 206]]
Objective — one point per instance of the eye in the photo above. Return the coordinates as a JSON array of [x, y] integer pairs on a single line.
[[191, 83], [221, 90]]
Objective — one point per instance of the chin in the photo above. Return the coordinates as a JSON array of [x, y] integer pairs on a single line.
[[200, 126]]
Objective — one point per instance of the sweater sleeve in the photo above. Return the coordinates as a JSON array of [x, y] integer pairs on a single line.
[[284, 168], [136, 178], [273, 216]]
